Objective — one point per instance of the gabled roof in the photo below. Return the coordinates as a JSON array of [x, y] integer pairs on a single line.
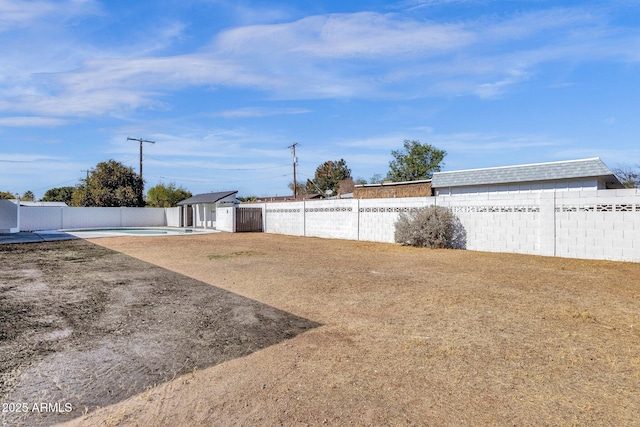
[[207, 198], [583, 168]]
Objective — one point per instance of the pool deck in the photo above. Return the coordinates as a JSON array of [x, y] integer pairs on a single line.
[[26, 237], [56, 235]]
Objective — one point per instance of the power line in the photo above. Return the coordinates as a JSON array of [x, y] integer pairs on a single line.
[[203, 180], [140, 140], [215, 169]]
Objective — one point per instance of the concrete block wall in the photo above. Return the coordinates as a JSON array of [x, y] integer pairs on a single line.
[[596, 224], [282, 218], [378, 216], [501, 222], [599, 225], [336, 219]]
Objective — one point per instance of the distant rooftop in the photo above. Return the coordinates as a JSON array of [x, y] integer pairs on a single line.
[[206, 198], [391, 183], [45, 204], [583, 168]]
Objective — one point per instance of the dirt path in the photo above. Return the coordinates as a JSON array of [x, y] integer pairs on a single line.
[[83, 327], [399, 336]]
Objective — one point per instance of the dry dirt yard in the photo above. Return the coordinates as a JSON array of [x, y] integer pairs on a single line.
[[259, 329]]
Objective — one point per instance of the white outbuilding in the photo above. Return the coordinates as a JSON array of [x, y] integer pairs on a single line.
[[200, 210]]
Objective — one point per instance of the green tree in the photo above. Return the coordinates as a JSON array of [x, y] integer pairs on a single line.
[[248, 198], [110, 184], [327, 177], [28, 196], [377, 178], [360, 181], [59, 194], [6, 195], [166, 196], [416, 161]]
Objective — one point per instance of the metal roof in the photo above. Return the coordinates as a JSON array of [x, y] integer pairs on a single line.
[[206, 198], [583, 168]]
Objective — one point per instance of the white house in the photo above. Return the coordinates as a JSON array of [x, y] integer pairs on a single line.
[[572, 175], [200, 210]]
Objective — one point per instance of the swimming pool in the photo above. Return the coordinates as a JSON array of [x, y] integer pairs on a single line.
[[135, 231]]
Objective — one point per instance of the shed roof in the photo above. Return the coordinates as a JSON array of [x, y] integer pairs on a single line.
[[582, 168], [207, 198]]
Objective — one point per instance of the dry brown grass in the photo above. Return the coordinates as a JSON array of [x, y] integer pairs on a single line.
[[410, 337]]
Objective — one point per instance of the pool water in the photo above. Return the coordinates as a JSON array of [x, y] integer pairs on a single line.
[[137, 231]]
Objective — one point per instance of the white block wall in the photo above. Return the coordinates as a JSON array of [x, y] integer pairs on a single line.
[[282, 218], [336, 219], [378, 216], [597, 224]]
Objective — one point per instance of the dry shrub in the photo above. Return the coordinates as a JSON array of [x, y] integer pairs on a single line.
[[433, 227]]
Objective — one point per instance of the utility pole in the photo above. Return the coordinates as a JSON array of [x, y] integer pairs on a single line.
[[140, 140], [295, 162], [87, 171]]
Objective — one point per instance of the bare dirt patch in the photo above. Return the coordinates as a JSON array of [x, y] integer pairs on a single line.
[[408, 337], [82, 327]]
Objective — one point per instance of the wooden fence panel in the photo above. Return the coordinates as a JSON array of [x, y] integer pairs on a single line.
[[248, 219]]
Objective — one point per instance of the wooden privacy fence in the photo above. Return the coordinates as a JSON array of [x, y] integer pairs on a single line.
[[248, 219]]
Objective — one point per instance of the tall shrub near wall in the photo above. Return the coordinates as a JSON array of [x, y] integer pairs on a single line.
[[432, 227]]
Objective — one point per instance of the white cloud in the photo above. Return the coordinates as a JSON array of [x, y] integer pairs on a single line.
[[250, 112], [32, 122], [21, 13], [492, 90], [362, 34], [474, 142], [26, 158], [365, 55], [389, 142]]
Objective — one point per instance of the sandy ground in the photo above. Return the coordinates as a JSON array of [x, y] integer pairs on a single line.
[[389, 335]]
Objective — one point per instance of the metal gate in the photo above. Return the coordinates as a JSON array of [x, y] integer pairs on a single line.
[[248, 219]]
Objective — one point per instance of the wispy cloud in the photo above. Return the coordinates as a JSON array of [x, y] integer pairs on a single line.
[[22, 13], [32, 122], [361, 55], [355, 35], [251, 112]]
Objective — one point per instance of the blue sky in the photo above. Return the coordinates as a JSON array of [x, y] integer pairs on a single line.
[[225, 86]]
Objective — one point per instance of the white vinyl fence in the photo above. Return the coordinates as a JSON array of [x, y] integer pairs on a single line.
[[578, 224], [9, 218], [37, 218]]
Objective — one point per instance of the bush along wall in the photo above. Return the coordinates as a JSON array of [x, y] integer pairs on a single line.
[[433, 227]]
